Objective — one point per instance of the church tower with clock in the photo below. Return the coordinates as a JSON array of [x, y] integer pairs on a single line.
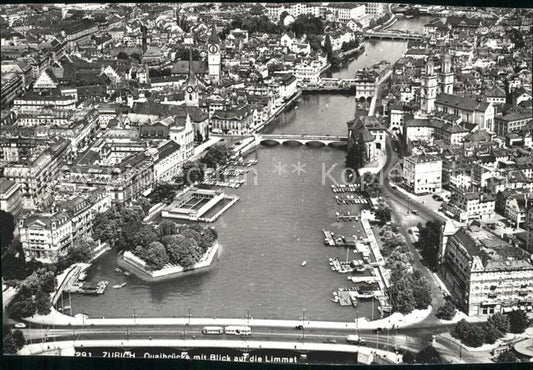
[[191, 86], [213, 56]]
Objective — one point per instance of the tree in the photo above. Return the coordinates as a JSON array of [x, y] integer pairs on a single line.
[[475, 337], [48, 282], [383, 214], [20, 308], [19, 339], [500, 322], [144, 235], [421, 290], [217, 155], [307, 24], [122, 55], [282, 17], [192, 173], [42, 303], [328, 48], [163, 193], [491, 333], [447, 310], [144, 203], [257, 9], [10, 347], [155, 256], [429, 242], [106, 226], [461, 330], [408, 357], [428, 355], [507, 356], [518, 321], [7, 228], [167, 227], [82, 250], [402, 297]]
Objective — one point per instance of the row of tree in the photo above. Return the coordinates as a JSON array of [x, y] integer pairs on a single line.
[[475, 335], [182, 245], [429, 243], [33, 295], [409, 289]]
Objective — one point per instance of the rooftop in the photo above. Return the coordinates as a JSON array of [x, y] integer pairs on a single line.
[[494, 252]]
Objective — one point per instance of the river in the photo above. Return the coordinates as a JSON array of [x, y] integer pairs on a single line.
[[267, 234]]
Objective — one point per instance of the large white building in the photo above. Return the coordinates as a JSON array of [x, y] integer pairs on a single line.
[[308, 73], [486, 274], [422, 174], [45, 237]]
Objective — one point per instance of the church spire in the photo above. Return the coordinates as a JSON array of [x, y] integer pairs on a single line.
[[192, 76], [213, 37]]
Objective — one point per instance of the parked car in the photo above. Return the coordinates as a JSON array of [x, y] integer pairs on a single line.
[[299, 327], [328, 340], [378, 330], [20, 325]]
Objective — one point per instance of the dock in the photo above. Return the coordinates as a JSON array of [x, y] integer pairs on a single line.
[[328, 238], [344, 298]]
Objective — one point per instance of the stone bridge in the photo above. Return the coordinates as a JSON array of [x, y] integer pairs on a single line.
[[309, 140]]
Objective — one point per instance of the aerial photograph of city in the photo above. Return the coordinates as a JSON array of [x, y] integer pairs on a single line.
[[278, 183]]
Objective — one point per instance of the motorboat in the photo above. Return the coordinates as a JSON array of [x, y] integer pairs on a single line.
[[118, 286], [304, 263]]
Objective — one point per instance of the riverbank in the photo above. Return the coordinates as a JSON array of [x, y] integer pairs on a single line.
[[278, 111], [137, 266]]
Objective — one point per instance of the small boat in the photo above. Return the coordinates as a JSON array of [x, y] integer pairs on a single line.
[[127, 273], [82, 276], [118, 270], [304, 263], [118, 286]]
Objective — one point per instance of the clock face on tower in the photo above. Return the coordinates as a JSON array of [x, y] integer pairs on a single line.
[[190, 89], [213, 49]]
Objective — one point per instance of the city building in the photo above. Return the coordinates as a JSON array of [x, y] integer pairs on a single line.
[[470, 110], [45, 236], [512, 122], [10, 197], [422, 174], [232, 121], [468, 206], [486, 274]]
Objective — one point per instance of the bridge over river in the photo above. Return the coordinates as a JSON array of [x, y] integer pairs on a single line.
[[393, 35], [310, 140]]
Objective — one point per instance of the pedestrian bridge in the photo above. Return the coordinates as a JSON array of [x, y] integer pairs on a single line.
[[309, 140]]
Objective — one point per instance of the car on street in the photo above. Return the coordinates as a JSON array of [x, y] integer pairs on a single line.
[[299, 327], [414, 211], [329, 340], [378, 330], [20, 325]]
